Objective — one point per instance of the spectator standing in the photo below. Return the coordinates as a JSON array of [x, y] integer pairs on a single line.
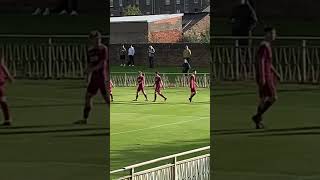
[[151, 54], [243, 20], [123, 53], [131, 53], [186, 67], [187, 54]]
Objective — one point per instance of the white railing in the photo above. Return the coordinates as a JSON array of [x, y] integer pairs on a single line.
[[129, 79], [296, 58], [45, 56], [195, 168]]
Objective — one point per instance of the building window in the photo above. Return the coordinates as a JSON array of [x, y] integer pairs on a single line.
[[120, 3], [111, 3], [167, 2], [178, 10], [148, 2], [196, 1], [177, 1]]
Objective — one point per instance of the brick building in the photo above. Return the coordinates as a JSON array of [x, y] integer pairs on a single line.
[[146, 29], [147, 7]]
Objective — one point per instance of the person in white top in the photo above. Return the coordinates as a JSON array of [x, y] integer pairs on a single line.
[[131, 53], [151, 52]]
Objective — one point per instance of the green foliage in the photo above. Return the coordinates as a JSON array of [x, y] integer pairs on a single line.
[[198, 37], [132, 11]]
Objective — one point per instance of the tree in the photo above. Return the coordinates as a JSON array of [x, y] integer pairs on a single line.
[[132, 11]]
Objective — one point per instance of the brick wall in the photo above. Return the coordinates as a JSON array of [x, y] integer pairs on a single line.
[[201, 27], [166, 54]]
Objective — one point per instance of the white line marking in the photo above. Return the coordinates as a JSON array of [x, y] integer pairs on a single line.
[[159, 126]]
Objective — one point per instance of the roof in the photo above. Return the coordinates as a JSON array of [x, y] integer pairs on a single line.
[[149, 18], [190, 19]]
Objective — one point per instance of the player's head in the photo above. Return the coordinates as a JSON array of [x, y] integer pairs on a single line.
[[243, 1], [95, 37], [194, 72], [187, 47], [140, 73], [157, 73], [270, 33]]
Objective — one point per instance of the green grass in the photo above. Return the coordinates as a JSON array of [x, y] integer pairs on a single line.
[[287, 149], [142, 131], [43, 143], [149, 70]]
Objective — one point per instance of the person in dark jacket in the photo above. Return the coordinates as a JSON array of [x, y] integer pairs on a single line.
[[243, 20], [123, 53], [186, 67]]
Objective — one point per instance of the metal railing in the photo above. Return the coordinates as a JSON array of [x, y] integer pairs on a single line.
[[129, 79], [195, 168], [297, 59], [45, 56]]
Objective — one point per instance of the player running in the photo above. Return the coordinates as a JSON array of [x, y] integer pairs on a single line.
[[266, 77], [140, 86], [158, 84], [193, 85], [4, 75], [98, 73]]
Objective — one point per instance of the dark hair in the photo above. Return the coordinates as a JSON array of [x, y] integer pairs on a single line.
[[94, 34], [268, 29], [157, 72]]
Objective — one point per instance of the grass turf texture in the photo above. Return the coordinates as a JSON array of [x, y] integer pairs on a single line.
[[286, 149], [142, 131], [43, 143]]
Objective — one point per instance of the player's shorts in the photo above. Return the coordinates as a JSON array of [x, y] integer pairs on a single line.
[[140, 88], [268, 90], [193, 90], [158, 89], [95, 85]]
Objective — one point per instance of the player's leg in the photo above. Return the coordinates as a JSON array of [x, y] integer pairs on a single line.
[[193, 93], [160, 94], [91, 91], [145, 94], [4, 108], [155, 96], [137, 94], [111, 96]]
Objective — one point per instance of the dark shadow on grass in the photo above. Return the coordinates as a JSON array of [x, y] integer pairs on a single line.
[[51, 105], [26, 132], [287, 134], [254, 131], [106, 134]]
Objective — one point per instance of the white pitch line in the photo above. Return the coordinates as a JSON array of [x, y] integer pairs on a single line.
[[132, 113], [159, 126]]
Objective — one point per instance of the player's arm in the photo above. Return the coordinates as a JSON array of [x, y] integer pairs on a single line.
[[6, 71], [275, 72], [261, 66]]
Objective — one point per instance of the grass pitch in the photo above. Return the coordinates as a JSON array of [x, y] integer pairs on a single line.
[[142, 131], [286, 150], [43, 143]]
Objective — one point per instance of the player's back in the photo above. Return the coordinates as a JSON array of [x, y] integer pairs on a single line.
[[3, 75]]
